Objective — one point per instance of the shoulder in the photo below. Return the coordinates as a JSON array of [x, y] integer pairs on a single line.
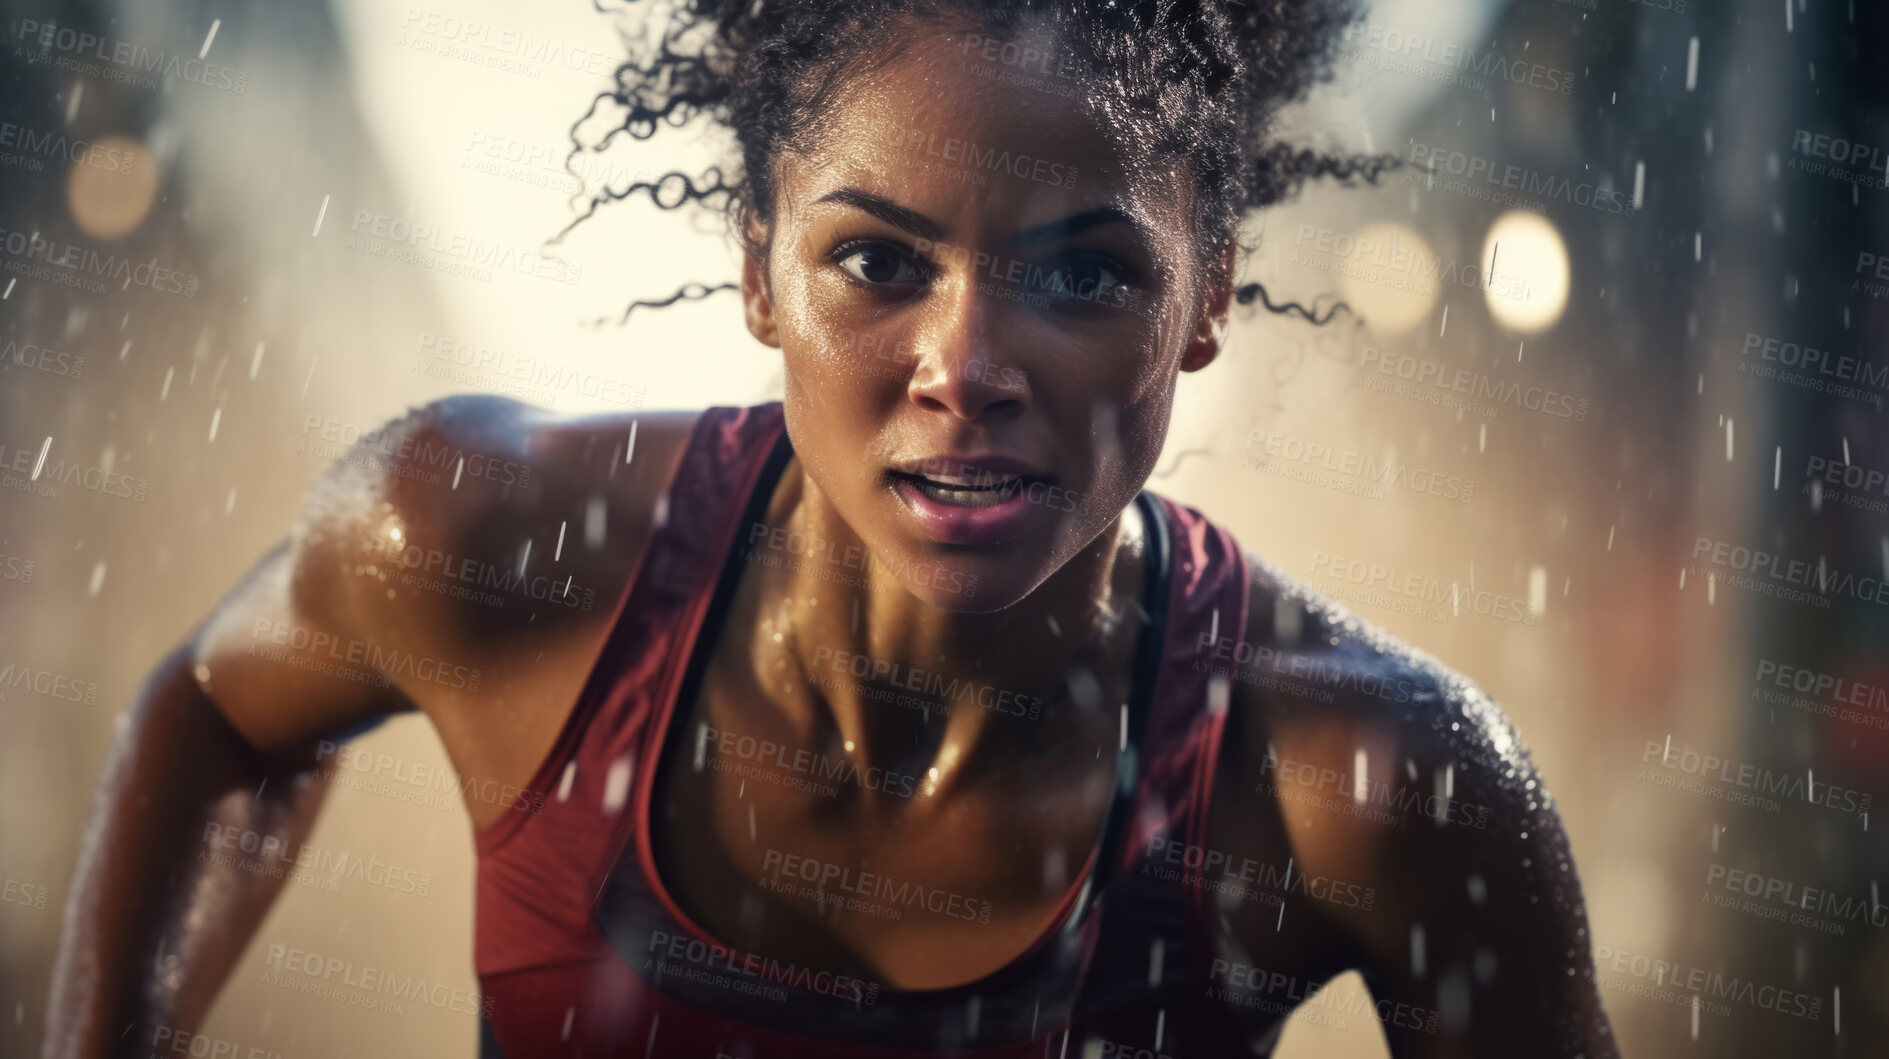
[[476, 515], [1400, 781], [1402, 786], [1305, 656], [1336, 708]]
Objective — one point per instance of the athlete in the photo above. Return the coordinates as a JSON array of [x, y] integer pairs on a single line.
[[895, 718]]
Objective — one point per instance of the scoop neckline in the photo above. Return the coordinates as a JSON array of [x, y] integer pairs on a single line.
[[1150, 655]]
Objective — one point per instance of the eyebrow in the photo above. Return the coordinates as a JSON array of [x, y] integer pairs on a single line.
[[888, 211], [1074, 224], [924, 227]]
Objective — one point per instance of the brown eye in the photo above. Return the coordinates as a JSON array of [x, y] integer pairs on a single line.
[[879, 264]]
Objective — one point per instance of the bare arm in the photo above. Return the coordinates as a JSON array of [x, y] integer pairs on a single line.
[[1475, 941], [155, 924], [208, 793], [212, 784], [1426, 851]]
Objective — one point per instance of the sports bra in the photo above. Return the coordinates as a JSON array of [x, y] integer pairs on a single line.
[[581, 951]]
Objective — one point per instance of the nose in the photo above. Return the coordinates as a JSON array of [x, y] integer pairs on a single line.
[[963, 368]]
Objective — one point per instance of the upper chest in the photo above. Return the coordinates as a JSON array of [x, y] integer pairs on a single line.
[[781, 838]]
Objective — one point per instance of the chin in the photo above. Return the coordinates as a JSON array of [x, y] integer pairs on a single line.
[[966, 585], [984, 600]]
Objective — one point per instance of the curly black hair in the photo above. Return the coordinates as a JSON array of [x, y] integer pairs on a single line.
[[1200, 81]]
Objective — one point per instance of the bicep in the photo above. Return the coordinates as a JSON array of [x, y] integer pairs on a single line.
[[283, 674], [1488, 950]]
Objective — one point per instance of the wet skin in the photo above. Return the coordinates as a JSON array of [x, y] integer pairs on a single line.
[[902, 349]]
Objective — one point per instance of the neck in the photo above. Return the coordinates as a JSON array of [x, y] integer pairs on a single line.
[[908, 686]]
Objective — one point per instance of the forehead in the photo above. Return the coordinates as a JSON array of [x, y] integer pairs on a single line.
[[955, 120]]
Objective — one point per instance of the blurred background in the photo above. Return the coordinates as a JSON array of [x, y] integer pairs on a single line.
[[1621, 390]]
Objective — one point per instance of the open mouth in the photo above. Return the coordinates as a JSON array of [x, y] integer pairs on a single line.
[[964, 490]]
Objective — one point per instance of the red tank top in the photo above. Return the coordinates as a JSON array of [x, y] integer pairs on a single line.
[[581, 951]]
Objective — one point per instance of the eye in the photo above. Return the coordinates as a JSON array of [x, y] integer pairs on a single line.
[[879, 264], [1083, 277]]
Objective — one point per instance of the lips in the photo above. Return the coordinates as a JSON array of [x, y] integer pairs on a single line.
[[969, 470], [962, 494], [975, 499]]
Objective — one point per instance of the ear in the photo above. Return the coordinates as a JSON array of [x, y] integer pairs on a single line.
[[1211, 329], [757, 302]]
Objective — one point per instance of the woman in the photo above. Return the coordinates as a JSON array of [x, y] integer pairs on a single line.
[[916, 727]]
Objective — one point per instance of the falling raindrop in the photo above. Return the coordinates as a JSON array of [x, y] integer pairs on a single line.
[[616, 786]]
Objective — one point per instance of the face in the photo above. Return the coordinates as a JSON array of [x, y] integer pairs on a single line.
[[983, 306]]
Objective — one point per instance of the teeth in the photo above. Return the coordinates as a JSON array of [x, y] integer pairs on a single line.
[[970, 481], [960, 497]]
